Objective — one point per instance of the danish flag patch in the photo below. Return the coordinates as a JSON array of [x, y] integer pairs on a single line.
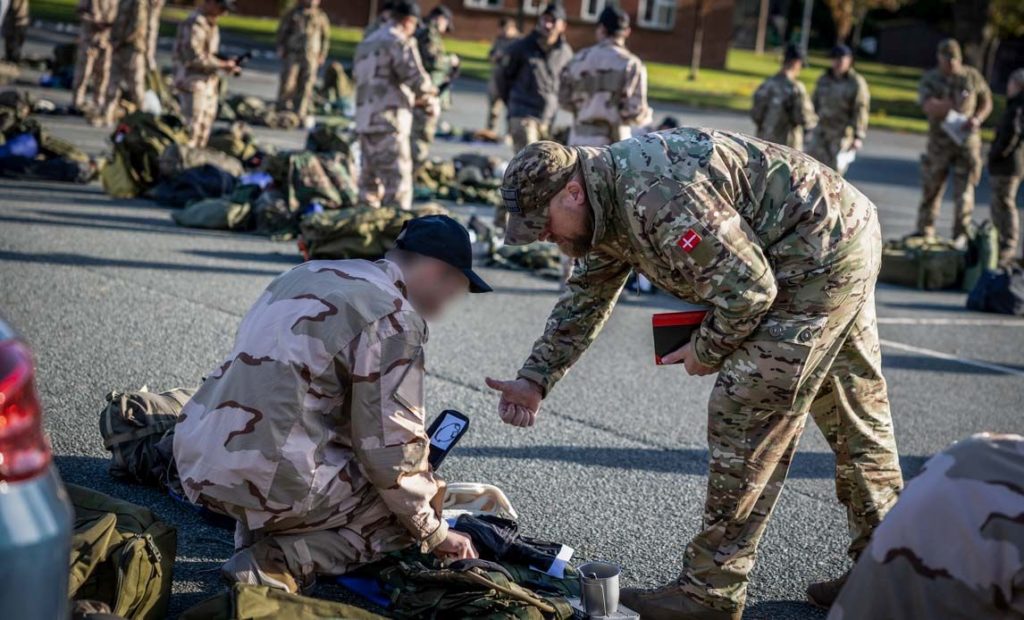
[[689, 241]]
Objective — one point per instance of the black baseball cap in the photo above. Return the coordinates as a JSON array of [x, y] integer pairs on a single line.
[[441, 237], [405, 8], [614, 19], [793, 52], [840, 51], [556, 10]]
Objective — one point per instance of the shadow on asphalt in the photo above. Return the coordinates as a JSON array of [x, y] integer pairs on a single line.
[[770, 610], [689, 461], [80, 260], [935, 364], [919, 305], [258, 257]]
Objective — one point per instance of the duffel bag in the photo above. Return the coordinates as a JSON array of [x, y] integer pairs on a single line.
[[922, 263], [132, 424], [245, 602]]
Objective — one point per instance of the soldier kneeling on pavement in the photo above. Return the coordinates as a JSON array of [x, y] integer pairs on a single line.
[[311, 433], [785, 253]]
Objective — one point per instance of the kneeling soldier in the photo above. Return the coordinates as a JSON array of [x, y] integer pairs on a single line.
[[311, 433], [786, 254]]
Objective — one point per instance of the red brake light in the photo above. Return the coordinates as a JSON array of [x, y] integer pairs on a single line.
[[24, 449]]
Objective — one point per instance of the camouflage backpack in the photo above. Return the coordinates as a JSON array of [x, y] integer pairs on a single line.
[[132, 424], [245, 602], [236, 141], [121, 555], [358, 232], [332, 137], [141, 138], [178, 158]]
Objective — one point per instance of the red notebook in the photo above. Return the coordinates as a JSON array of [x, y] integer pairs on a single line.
[[672, 330]]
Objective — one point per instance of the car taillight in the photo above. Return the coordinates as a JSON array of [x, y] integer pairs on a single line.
[[24, 449]]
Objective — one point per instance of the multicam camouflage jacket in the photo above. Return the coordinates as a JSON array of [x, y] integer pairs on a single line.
[[304, 32], [195, 52], [605, 85], [327, 369], [436, 61], [389, 78], [712, 217], [842, 104], [966, 89], [782, 111]]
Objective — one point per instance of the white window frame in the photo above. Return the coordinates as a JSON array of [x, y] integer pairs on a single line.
[[588, 16], [534, 7], [657, 6], [484, 5]]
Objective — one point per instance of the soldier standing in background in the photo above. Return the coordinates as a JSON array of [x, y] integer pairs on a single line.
[[782, 110], [383, 17], [786, 254], [196, 65], [441, 67], [92, 64], [390, 82], [15, 25], [1006, 168], [605, 86], [951, 86], [153, 34], [128, 38], [303, 41], [507, 35], [841, 101]]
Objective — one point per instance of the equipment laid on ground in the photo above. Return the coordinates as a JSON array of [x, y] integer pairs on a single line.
[[132, 423], [982, 253], [673, 330], [599, 593], [245, 602], [1000, 291], [923, 263]]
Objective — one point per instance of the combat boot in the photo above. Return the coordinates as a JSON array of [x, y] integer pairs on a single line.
[[824, 593], [672, 603]]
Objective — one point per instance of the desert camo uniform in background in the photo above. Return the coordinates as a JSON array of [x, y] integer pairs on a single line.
[[303, 41], [129, 37], [782, 110], [337, 399], [842, 103], [1006, 168], [439, 65], [196, 67], [786, 253], [390, 79], [15, 26], [153, 33], [964, 90], [92, 63]]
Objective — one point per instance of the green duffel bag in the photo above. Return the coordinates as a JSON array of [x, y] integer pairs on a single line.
[[214, 214], [358, 232], [245, 602], [982, 253], [178, 158], [922, 263], [121, 555], [132, 424], [141, 138]]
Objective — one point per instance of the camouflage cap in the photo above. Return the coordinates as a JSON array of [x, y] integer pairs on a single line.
[[532, 179], [949, 48]]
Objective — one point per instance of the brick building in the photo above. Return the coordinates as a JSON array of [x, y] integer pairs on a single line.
[[662, 29]]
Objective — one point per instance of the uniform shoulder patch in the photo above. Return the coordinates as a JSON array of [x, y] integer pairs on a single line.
[[689, 241]]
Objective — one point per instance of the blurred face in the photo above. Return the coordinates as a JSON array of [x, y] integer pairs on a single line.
[[442, 23], [1014, 88], [948, 65], [214, 9], [841, 65], [570, 221], [433, 285], [408, 25], [550, 28]]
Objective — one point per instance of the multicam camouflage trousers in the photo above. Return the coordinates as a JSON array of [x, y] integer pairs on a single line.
[[825, 146], [940, 156], [817, 353], [199, 107], [385, 177], [424, 127], [295, 89], [92, 69], [953, 546], [1004, 214], [494, 104], [127, 79], [342, 534]]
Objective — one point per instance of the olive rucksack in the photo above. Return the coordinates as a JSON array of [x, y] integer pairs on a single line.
[[121, 555], [358, 232], [245, 602], [922, 263], [178, 158], [141, 139], [982, 253], [132, 424]]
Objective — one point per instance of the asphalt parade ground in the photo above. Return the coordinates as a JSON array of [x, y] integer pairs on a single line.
[[112, 295]]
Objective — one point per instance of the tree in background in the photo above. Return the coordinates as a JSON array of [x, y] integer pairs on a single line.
[[849, 13]]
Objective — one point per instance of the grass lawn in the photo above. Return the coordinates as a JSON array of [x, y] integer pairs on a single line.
[[893, 88]]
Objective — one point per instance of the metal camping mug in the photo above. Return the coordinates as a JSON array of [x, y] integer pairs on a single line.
[[599, 589]]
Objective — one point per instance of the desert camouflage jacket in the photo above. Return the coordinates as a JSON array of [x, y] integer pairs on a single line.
[[131, 25], [712, 217], [327, 368], [389, 77], [782, 111], [842, 104], [304, 33], [605, 84], [195, 51], [96, 16], [966, 89]]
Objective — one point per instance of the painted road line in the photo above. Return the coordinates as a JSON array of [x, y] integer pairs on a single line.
[[906, 320], [953, 358]]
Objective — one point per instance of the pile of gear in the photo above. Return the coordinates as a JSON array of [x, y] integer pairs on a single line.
[[27, 151], [468, 178]]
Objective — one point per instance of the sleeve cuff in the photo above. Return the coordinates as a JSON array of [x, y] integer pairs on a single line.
[[705, 353], [543, 381], [433, 540]]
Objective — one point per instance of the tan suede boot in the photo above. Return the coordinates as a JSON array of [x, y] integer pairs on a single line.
[[671, 603], [824, 593]]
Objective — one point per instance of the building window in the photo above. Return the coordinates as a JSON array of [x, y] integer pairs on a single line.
[[491, 5], [590, 10], [534, 7], [657, 14]]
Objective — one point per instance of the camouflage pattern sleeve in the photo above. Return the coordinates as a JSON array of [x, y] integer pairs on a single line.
[[929, 86], [324, 28], [409, 70], [634, 108], [861, 109], [762, 97], [388, 433], [576, 319], [984, 101], [284, 28], [566, 85], [802, 109], [711, 246], [193, 49]]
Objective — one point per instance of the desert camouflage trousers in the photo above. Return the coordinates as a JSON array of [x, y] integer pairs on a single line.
[[524, 130], [385, 177], [1004, 214], [940, 156], [816, 353], [340, 534], [13, 33], [92, 70], [295, 88], [199, 107], [953, 546], [424, 127], [127, 79]]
